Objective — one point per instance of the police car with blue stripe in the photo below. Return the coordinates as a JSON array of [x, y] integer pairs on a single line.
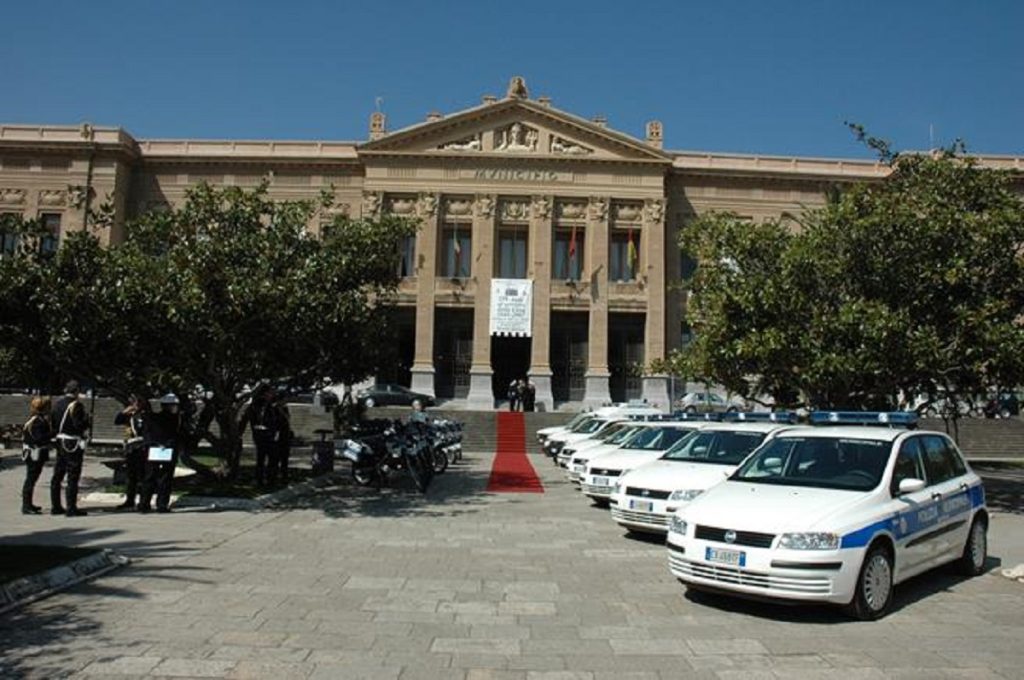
[[836, 514]]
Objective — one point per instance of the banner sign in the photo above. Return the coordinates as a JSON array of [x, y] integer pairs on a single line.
[[512, 307]]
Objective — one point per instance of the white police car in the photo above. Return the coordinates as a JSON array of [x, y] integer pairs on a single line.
[[576, 463], [598, 439], [645, 498], [545, 432], [602, 471], [836, 514]]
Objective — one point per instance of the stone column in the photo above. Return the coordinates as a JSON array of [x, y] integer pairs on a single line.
[[597, 393], [481, 395], [655, 387], [540, 258], [426, 272]]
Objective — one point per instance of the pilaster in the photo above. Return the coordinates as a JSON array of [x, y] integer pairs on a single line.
[[597, 392], [481, 393], [541, 230], [655, 386], [426, 274]]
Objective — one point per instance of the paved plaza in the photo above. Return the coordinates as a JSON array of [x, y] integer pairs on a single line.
[[468, 585]]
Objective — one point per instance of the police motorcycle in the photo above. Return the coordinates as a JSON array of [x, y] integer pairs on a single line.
[[377, 449]]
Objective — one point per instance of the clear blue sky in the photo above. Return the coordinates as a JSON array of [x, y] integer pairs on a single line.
[[757, 76]]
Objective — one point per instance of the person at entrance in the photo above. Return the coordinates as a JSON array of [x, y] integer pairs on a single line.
[[513, 395], [529, 395]]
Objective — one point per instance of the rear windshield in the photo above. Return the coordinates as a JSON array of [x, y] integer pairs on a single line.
[[824, 462], [717, 448]]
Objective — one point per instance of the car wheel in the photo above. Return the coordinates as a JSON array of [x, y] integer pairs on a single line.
[[972, 562], [369, 402], [731, 409], [690, 409], [874, 593]]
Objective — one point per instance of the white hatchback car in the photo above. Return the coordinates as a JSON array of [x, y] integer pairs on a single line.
[[645, 498], [646, 445], [836, 514]]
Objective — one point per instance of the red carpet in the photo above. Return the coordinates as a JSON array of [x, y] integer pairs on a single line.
[[512, 471]]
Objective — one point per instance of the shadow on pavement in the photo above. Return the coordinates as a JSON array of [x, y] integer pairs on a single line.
[[458, 491], [1004, 486], [907, 595], [43, 638]]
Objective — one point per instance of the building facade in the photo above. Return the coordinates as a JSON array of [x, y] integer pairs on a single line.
[[522, 207]]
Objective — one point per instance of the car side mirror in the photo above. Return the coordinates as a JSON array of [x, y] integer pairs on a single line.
[[910, 485]]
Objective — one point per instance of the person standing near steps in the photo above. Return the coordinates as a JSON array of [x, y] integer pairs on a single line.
[[72, 423], [134, 419], [36, 442]]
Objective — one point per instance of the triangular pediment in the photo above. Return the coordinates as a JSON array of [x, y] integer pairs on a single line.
[[515, 128]]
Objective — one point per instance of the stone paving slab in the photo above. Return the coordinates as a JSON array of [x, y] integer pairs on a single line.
[[345, 583]]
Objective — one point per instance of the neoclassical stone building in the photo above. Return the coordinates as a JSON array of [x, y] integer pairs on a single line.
[[547, 246]]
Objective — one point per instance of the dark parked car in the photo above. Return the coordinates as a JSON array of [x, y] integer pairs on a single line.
[[392, 395]]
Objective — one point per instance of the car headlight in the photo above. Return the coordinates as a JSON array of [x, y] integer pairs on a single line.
[[677, 525], [685, 494], [810, 541]]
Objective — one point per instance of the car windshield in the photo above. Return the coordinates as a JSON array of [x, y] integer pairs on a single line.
[[609, 432], [578, 427], [655, 438], [824, 462], [717, 448], [576, 420], [624, 435], [590, 427]]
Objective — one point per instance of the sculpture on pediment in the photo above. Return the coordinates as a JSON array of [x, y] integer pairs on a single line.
[[12, 196], [564, 146], [485, 206], [428, 204], [599, 208], [572, 210], [468, 144], [458, 206], [371, 203], [517, 88], [76, 195], [627, 212], [401, 205], [518, 137], [655, 210], [541, 207], [87, 132]]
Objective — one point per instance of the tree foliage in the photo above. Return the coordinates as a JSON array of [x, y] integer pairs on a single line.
[[913, 285], [225, 291]]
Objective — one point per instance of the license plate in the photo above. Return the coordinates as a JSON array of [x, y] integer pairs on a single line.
[[735, 558], [642, 506], [600, 481]]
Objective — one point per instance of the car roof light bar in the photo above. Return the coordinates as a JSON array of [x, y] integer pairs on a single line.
[[788, 417], [708, 417], [883, 418]]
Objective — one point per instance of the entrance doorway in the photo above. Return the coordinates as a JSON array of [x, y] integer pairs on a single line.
[[395, 368], [626, 356], [569, 355], [453, 352], [510, 360]]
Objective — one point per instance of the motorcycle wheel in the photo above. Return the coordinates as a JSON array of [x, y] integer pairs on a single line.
[[440, 461], [418, 472], [364, 476]]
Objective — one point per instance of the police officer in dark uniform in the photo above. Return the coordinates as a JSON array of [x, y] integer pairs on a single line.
[[265, 420], [164, 432], [134, 419], [71, 424], [284, 442]]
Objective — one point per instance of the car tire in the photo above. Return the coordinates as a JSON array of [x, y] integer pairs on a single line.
[[369, 402], [690, 409], [732, 409], [873, 596], [975, 555]]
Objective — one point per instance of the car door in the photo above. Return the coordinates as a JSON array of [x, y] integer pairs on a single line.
[[951, 494], [914, 511]]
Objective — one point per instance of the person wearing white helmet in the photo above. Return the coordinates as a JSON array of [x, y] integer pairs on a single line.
[[163, 441]]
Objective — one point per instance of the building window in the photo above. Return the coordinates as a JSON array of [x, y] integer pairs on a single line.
[[512, 254], [456, 251], [8, 237], [624, 258], [49, 242], [407, 257], [567, 263]]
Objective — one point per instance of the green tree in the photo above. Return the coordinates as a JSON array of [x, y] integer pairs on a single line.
[[912, 285], [227, 290]]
